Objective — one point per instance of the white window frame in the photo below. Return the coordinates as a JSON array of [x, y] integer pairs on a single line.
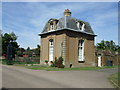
[[81, 52], [78, 25], [51, 50], [51, 27], [82, 28]]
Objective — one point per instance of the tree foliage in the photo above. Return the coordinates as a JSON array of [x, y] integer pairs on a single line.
[[13, 36], [9, 38], [107, 45], [20, 51], [28, 49], [29, 52], [37, 50]]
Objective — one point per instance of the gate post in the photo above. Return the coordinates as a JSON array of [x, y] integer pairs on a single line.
[[9, 54]]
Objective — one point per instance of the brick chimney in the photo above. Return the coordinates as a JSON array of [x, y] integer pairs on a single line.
[[67, 12]]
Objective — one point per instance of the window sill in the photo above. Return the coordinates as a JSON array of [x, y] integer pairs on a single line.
[[81, 61]]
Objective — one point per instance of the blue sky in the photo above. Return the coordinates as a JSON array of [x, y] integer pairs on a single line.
[[27, 19]]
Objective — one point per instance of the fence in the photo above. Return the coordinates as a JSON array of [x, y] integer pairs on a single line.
[[28, 60]]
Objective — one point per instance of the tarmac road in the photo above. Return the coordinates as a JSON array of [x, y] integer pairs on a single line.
[[20, 77]]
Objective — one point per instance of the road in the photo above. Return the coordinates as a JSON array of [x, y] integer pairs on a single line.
[[20, 77]]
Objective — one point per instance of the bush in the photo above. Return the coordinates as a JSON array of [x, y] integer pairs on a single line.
[[61, 66], [53, 64], [46, 61], [58, 63]]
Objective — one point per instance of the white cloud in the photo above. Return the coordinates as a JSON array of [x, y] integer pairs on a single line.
[[33, 16]]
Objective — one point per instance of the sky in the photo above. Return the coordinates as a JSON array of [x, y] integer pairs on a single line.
[[27, 19]]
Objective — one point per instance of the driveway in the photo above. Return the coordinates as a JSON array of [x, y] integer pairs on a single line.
[[20, 77]]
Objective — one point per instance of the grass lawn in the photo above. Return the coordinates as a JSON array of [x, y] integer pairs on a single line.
[[115, 80], [48, 68], [3, 61]]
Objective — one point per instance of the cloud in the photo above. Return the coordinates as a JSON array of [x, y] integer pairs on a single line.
[[28, 19]]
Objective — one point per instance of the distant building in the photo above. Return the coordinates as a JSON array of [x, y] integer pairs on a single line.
[[71, 38], [107, 58]]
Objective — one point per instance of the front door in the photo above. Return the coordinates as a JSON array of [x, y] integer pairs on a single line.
[[99, 61]]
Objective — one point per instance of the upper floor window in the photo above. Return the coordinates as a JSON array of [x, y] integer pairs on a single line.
[[78, 25], [51, 26], [81, 26]]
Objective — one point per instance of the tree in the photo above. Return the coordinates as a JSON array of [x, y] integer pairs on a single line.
[[37, 50], [101, 45], [13, 36], [0, 43], [20, 51], [28, 49], [107, 45], [9, 38], [28, 53]]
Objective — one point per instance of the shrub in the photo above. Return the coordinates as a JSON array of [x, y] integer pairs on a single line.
[[61, 59], [53, 64], [61, 66], [58, 63], [46, 61]]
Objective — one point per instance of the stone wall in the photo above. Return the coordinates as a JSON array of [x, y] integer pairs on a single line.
[[114, 58]]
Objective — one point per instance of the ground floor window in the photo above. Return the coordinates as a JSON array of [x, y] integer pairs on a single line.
[[51, 50], [80, 50]]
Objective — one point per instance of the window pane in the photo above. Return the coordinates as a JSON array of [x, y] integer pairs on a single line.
[[80, 50], [51, 50]]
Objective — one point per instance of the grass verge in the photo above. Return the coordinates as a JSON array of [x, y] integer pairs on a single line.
[[115, 79], [48, 68]]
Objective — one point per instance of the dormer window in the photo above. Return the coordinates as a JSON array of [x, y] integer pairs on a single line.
[[51, 26], [78, 25], [81, 26]]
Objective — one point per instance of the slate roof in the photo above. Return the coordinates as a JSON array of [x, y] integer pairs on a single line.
[[69, 23]]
